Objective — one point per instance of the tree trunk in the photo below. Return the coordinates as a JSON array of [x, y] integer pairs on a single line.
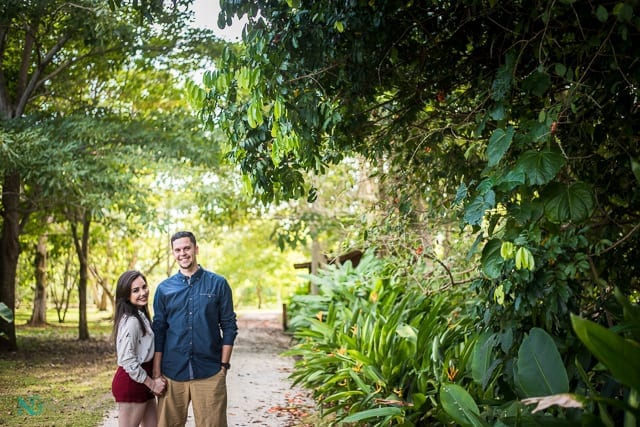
[[39, 313], [82, 249], [9, 252]]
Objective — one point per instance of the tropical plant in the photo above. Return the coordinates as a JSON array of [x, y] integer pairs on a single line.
[[374, 348], [5, 314], [540, 378]]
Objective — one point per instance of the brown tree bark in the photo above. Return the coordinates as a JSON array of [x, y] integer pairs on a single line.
[[10, 250], [39, 313], [82, 249]]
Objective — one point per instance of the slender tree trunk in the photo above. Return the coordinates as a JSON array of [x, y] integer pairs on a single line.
[[82, 249], [9, 252], [39, 313]]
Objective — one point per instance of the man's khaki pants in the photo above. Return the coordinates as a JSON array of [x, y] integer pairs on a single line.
[[208, 397]]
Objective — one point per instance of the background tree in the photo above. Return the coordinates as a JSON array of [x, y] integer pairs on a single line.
[[46, 42]]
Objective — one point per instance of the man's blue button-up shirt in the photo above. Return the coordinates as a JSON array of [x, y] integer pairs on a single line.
[[193, 319]]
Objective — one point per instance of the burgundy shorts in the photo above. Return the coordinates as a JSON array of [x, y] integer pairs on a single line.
[[125, 389]]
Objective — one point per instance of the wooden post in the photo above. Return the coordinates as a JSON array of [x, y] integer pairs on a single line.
[[284, 317]]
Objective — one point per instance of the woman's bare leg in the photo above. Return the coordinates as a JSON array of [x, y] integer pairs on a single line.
[[130, 414], [150, 418]]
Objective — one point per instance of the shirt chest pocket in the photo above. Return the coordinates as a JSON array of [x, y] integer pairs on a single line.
[[209, 298], [211, 302]]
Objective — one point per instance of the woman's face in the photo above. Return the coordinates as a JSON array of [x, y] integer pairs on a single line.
[[139, 292]]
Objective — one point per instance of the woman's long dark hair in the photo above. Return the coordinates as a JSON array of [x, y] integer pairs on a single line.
[[123, 303]]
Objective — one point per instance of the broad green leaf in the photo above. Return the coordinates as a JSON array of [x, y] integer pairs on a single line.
[[459, 405], [560, 69], [573, 203], [601, 13], [461, 194], [491, 259], [537, 83], [540, 368], [499, 144], [372, 413], [5, 313], [511, 180], [419, 399], [474, 213], [540, 167], [482, 360], [618, 354], [635, 168], [407, 331], [623, 11], [631, 314]]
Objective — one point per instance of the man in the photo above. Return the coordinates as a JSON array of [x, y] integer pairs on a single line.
[[195, 328]]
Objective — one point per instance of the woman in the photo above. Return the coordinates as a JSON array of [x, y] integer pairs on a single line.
[[133, 387]]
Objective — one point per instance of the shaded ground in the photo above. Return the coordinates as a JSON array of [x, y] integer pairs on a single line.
[[260, 393]]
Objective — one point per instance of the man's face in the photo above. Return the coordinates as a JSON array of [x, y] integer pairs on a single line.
[[185, 253]]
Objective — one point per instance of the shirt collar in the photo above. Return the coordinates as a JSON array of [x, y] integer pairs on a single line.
[[195, 275]]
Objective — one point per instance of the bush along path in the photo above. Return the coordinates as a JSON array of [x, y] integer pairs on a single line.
[[260, 392]]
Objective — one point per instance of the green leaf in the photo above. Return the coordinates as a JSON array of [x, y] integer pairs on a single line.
[[387, 411], [560, 69], [407, 331], [537, 83], [482, 361], [499, 144], [461, 194], [573, 203], [459, 405], [540, 167], [618, 354], [491, 260], [601, 13], [5, 313], [635, 168], [511, 180], [474, 212], [540, 368], [623, 11]]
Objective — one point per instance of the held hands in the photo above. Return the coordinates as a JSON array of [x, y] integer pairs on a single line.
[[157, 385]]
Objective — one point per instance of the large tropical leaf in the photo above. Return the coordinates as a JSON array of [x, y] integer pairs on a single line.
[[540, 368], [474, 212], [540, 167], [499, 144], [460, 406], [564, 203], [5, 313], [483, 362], [620, 355], [491, 259], [373, 413]]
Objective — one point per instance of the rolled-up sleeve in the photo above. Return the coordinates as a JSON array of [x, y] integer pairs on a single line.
[[159, 321], [228, 321], [129, 334]]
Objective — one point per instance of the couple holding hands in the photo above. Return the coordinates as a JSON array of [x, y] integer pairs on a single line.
[[183, 355]]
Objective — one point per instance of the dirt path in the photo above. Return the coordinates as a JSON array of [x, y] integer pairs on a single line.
[[260, 393]]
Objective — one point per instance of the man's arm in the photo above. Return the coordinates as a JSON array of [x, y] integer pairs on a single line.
[[157, 364], [159, 327], [226, 354]]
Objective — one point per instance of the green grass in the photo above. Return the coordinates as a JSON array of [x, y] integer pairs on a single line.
[[54, 379]]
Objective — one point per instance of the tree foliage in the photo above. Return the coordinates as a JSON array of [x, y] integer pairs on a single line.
[[526, 112], [521, 118], [57, 59]]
